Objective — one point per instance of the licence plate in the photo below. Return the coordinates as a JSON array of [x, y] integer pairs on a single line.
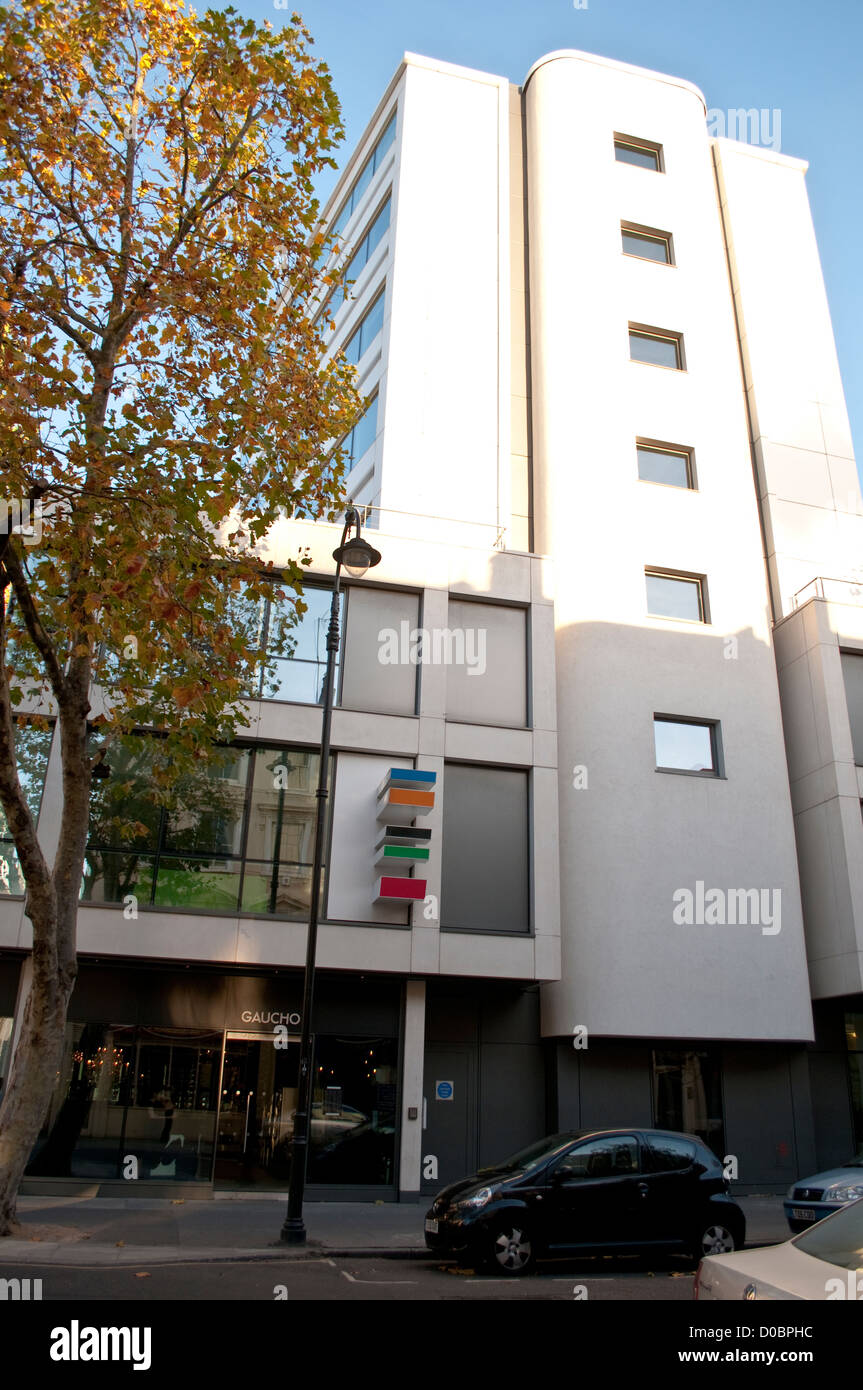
[[804, 1214], [431, 1226]]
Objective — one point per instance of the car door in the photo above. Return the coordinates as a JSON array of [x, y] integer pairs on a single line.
[[595, 1194], [672, 1174]]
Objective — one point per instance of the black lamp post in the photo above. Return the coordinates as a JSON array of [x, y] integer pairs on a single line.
[[357, 556]]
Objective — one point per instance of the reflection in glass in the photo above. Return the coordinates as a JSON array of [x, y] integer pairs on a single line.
[[684, 747], [660, 352], [652, 248], [640, 155], [687, 1095], [32, 747], [663, 466], [147, 1094], [670, 597]]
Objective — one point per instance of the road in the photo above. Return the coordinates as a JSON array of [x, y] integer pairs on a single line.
[[357, 1280]]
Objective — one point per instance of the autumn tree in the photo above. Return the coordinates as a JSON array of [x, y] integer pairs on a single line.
[[164, 400]]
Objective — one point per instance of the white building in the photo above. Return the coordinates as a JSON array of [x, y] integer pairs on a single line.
[[607, 462]]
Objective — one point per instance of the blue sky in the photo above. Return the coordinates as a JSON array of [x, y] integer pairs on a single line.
[[802, 56]]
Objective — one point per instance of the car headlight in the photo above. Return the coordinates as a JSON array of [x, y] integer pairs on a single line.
[[844, 1194], [477, 1199]]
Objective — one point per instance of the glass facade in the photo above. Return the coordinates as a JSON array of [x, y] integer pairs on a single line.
[[237, 835], [369, 329], [32, 746], [687, 1094], [191, 1105], [366, 174], [132, 1103]]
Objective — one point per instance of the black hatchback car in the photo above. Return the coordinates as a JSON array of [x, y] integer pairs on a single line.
[[612, 1191]]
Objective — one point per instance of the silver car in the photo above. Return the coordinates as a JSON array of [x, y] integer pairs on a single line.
[[810, 1199], [823, 1263]]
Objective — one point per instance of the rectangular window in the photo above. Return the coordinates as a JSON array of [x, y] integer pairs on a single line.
[[686, 745], [852, 675], [661, 463], [234, 835], [687, 1098], [358, 261], [485, 869], [645, 154], [653, 346], [646, 243], [32, 747], [296, 652], [367, 331], [364, 178], [675, 596], [361, 438]]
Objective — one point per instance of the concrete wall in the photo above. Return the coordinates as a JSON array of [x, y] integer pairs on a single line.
[[633, 836]]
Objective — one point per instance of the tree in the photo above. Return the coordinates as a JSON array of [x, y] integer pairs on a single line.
[[164, 400]]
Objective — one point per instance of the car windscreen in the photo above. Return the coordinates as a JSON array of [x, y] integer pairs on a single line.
[[838, 1239], [534, 1153]]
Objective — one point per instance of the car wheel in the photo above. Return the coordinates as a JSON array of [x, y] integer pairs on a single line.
[[510, 1248], [714, 1238]]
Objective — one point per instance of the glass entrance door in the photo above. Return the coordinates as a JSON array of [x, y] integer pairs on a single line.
[[258, 1099]]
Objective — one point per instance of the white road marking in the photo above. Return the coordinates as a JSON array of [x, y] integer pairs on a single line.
[[353, 1280]]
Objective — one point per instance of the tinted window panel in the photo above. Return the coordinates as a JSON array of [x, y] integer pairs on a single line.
[[670, 1155], [613, 1157], [659, 352], [636, 154], [651, 248], [658, 466], [683, 747], [669, 597]]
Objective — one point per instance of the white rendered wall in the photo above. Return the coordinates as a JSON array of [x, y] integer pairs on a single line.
[[807, 478], [634, 836]]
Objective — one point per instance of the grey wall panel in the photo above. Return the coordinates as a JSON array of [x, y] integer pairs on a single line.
[[615, 1085], [485, 878], [511, 1099], [489, 685], [760, 1122], [381, 686]]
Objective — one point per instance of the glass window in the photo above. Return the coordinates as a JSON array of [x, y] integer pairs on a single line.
[[687, 1095], [236, 835], [669, 1155], [684, 746], [353, 1123], [357, 262], [838, 1240], [149, 1094], [852, 675], [644, 154], [32, 747], [657, 349], [613, 1157], [297, 652], [363, 434], [486, 871], [369, 328], [364, 178], [670, 596], [670, 466], [651, 246]]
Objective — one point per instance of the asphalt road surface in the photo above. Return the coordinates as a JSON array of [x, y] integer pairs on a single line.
[[357, 1280]]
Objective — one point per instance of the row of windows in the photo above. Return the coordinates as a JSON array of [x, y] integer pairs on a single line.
[[682, 745], [359, 260], [367, 330], [364, 178]]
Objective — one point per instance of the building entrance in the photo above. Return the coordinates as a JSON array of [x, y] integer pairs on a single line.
[[256, 1111]]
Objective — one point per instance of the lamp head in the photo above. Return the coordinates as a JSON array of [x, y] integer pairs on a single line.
[[357, 556]]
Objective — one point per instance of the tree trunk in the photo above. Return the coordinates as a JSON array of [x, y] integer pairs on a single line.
[[27, 1095]]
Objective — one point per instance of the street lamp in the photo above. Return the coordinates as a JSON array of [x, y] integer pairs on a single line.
[[357, 556]]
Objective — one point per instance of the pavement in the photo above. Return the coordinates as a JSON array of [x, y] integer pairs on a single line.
[[108, 1231]]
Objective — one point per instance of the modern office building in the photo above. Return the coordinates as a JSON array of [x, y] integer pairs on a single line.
[[596, 845]]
